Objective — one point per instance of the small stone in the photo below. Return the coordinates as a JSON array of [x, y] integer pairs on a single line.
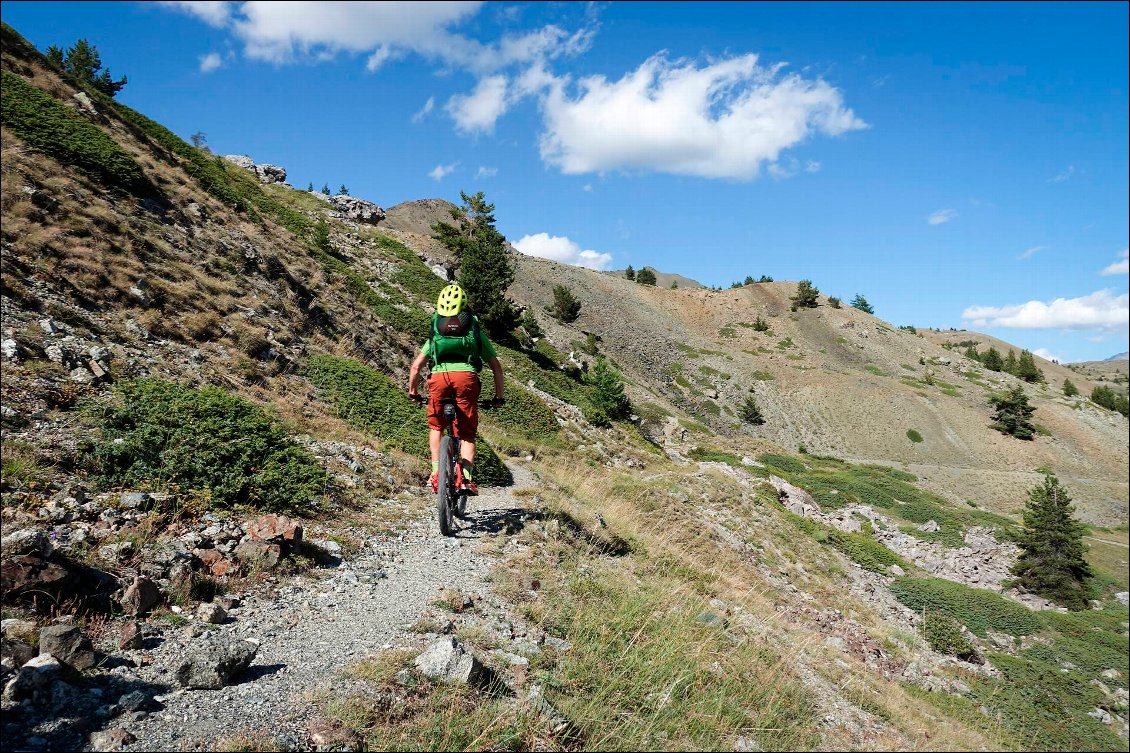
[[258, 552], [897, 571], [448, 660], [142, 595], [111, 739], [332, 736], [216, 664], [131, 637], [930, 526], [746, 745], [836, 642], [67, 644], [136, 500], [211, 613]]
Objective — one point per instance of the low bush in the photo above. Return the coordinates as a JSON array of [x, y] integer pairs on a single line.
[[944, 634], [865, 551], [49, 126], [782, 463], [368, 400], [157, 433], [978, 608], [913, 435]]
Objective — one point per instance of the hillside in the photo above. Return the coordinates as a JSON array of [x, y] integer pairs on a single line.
[[216, 535]]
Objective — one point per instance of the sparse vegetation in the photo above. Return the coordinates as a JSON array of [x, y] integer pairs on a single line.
[[565, 308], [1107, 398], [944, 634], [1013, 413]]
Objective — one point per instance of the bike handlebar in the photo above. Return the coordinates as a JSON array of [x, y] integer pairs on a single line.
[[488, 404]]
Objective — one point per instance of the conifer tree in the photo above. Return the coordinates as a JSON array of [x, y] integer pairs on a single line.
[[326, 189], [484, 270], [529, 323], [1069, 388], [343, 191], [991, 359], [645, 277], [674, 284], [750, 412], [806, 295], [1027, 369], [971, 352], [630, 273], [1012, 414], [1052, 562], [765, 278], [748, 280], [566, 308], [608, 390], [83, 62], [1009, 366], [760, 325], [859, 302]]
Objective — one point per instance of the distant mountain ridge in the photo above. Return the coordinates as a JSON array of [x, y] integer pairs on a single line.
[[1124, 355]]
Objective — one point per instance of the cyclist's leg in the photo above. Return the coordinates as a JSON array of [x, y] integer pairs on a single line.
[[438, 388], [467, 391]]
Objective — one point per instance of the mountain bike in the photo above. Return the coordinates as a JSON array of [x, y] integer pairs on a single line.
[[451, 498]]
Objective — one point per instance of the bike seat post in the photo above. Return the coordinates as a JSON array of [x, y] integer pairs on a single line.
[[448, 411]]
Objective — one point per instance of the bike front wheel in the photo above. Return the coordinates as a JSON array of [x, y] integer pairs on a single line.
[[445, 496]]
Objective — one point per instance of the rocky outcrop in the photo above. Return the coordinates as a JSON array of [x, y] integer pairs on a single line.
[[795, 499], [358, 210], [265, 173]]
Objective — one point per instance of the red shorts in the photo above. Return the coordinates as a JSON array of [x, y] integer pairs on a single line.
[[465, 387]]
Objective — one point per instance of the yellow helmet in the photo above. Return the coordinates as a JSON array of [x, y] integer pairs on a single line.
[[451, 301]]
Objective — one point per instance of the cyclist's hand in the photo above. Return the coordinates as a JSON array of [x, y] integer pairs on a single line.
[[416, 397]]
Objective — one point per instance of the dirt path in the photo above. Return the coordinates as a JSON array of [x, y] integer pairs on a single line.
[[312, 629]]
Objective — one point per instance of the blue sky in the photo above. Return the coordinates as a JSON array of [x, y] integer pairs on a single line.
[[958, 164]]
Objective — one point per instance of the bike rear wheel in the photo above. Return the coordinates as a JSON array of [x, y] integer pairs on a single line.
[[445, 495]]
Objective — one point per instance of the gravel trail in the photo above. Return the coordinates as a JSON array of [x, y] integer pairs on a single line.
[[311, 629]]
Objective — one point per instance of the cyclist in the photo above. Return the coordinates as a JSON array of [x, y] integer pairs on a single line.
[[456, 349]]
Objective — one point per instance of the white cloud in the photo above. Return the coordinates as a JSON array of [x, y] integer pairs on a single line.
[[1063, 175], [1046, 354], [942, 216], [561, 249], [478, 111], [1119, 267], [439, 172], [423, 111], [378, 58], [212, 13], [486, 172], [210, 62], [723, 120], [1101, 310], [1030, 252]]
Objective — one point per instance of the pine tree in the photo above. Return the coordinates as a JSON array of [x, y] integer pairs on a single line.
[[760, 325], [1052, 562], [859, 302], [343, 191], [1027, 369], [608, 390], [991, 359], [806, 295], [630, 273], [326, 189], [674, 284], [310, 186], [1012, 414], [750, 412], [1069, 389], [529, 322], [1009, 365], [484, 269], [83, 62], [834, 302], [566, 308], [1107, 398], [971, 352], [765, 278], [748, 280], [645, 277]]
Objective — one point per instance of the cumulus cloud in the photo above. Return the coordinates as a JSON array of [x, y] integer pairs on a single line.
[[942, 216], [212, 13], [478, 111], [561, 249], [210, 62], [423, 111], [439, 172], [723, 120], [1119, 267], [1046, 354], [486, 172], [1101, 310], [1030, 252]]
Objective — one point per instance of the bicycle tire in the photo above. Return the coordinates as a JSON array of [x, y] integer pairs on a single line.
[[461, 505], [446, 490]]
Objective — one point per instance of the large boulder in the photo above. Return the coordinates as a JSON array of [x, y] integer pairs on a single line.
[[258, 553], [26, 541], [25, 574], [35, 679], [795, 499], [67, 644], [216, 664], [356, 209], [271, 173], [240, 160], [447, 660]]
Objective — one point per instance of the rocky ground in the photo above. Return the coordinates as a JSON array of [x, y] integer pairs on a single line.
[[248, 665]]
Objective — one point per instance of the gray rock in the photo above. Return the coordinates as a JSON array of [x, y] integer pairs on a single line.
[[332, 736], [746, 745], [356, 209], [55, 353], [929, 526], [133, 701], [557, 644], [67, 644], [131, 637], [16, 653], [270, 174], [27, 541], [136, 500], [140, 296], [211, 613], [448, 660], [1101, 715], [9, 349], [110, 740], [216, 664], [35, 676], [795, 499], [897, 571], [1123, 598], [240, 160], [836, 642]]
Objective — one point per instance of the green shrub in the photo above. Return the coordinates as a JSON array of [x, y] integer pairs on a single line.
[[945, 636], [913, 435], [782, 462], [158, 432], [524, 412], [977, 608], [368, 400], [715, 456], [1109, 399], [865, 551], [51, 127]]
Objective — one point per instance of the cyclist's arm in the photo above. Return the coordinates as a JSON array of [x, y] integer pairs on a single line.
[[496, 367], [414, 372]]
